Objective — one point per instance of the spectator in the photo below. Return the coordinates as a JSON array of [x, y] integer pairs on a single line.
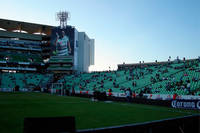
[[175, 96], [128, 95], [188, 87], [134, 94]]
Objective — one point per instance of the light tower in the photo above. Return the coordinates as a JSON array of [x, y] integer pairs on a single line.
[[63, 16]]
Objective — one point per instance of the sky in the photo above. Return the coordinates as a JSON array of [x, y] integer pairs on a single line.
[[124, 30]]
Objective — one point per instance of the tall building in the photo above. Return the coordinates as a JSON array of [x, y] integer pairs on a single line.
[[85, 51]]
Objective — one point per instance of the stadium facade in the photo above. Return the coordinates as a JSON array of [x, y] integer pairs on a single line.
[[37, 48], [53, 54]]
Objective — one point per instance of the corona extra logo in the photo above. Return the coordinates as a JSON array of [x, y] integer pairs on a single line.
[[185, 104]]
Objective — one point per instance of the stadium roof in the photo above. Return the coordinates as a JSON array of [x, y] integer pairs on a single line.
[[12, 25]]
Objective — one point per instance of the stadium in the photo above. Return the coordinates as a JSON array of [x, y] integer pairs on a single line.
[[46, 86]]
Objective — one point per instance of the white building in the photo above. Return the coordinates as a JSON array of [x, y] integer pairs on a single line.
[[85, 52]]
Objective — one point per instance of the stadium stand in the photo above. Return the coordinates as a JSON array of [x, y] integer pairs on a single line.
[[150, 79], [181, 78], [26, 81]]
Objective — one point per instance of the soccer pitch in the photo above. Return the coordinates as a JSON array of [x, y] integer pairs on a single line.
[[14, 107]]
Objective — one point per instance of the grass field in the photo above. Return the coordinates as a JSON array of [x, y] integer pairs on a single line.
[[15, 106]]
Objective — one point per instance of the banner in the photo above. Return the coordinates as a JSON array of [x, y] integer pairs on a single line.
[[186, 104], [62, 41]]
